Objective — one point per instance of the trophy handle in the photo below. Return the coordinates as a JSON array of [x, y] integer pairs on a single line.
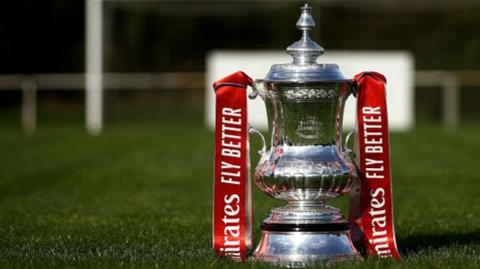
[[353, 86], [347, 139], [252, 95], [252, 130], [348, 151]]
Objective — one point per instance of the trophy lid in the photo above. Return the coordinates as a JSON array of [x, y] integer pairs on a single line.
[[304, 52]]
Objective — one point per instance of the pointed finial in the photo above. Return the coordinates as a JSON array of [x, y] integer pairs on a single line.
[[305, 50], [305, 22]]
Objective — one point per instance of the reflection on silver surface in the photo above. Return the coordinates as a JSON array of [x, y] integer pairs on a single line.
[[306, 162], [298, 249]]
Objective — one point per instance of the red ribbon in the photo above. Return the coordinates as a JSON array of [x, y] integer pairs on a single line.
[[232, 220], [371, 213]]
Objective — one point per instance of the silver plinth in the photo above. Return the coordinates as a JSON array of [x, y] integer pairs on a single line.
[[297, 236], [300, 249], [306, 162]]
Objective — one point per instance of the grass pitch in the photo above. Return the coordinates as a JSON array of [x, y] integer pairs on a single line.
[[141, 196]]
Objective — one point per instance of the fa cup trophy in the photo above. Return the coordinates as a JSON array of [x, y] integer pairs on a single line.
[[306, 163]]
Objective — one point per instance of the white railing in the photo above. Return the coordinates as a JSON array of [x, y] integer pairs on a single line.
[[449, 82], [30, 84]]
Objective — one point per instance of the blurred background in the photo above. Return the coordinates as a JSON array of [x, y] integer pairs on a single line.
[[139, 193], [166, 42]]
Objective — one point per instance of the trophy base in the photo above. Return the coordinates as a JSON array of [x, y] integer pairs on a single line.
[[305, 237], [305, 245]]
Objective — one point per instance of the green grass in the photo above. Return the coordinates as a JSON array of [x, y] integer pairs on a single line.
[[140, 195]]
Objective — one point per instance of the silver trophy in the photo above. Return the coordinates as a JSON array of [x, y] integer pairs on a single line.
[[307, 161]]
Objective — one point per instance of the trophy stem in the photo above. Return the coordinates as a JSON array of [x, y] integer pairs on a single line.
[[307, 212], [321, 203]]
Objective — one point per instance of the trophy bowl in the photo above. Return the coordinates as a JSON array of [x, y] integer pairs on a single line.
[[306, 160]]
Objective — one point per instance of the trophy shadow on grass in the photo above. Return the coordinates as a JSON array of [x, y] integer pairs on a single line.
[[416, 242]]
